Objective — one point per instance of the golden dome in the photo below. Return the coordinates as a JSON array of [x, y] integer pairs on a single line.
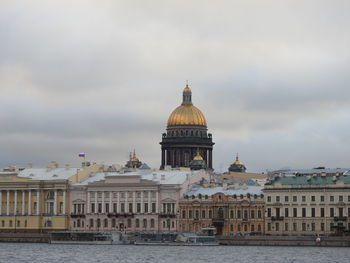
[[187, 115], [187, 89], [198, 157], [237, 162]]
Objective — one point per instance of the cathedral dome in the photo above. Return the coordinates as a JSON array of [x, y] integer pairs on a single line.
[[187, 113]]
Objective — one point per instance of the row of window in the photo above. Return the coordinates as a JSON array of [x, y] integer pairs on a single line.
[[114, 209], [187, 133], [10, 223], [307, 212], [305, 227], [105, 223], [122, 194], [245, 214], [332, 198]]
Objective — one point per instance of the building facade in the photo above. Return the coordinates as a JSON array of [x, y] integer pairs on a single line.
[[131, 202], [36, 199], [303, 205], [186, 134], [231, 209]]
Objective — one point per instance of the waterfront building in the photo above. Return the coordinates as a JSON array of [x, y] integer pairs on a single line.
[[35, 199], [143, 200], [186, 134], [306, 205], [231, 209], [318, 171]]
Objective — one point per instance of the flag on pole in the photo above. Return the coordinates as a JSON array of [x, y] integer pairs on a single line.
[[82, 155]]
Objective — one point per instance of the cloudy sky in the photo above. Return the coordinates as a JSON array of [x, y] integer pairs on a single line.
[[102, 77]]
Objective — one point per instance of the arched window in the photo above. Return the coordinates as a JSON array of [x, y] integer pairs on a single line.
[[105, 223], [192, 133], [73, 223], [197, 133], [137, 222], [259, 228], [252, 228], [152, 223], [91, 223], [186, 133], [129, 223], [245, 228], [144, 223], [78, 223], [98, 222], [82, 223]]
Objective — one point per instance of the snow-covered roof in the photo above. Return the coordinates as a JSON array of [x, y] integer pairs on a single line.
[[48, 174], [196, 190], [162, 177]]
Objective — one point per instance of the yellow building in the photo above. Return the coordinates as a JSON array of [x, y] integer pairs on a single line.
[[36, 199]]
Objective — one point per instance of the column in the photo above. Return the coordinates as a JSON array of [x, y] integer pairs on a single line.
[[15, 204], [88, 203], [55, 203], [163, 159], [142, 205], [210, 159], [134, 202], [29, 202], [96, 208], [118, 202], [103, 203], [126, 202], [64, 203], [8, 203], [0, 203], [38, 202], [149, 202], [23, 204], [110, 202], [157, 201]]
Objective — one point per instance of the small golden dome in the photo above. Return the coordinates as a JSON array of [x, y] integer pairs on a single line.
[[187, 115], [198, 157], [237, 162], [187, 89]]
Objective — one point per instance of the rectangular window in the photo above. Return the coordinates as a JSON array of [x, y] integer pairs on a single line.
[[341, 199], [313, 198], [294, 226], [231, 213], [295, 212], [286, 227], [122, 207], [114, 207], [138, 207], [278, 213], [210, 214], [107, 208], [313, 212], [100, 207], [313, 227], [331, 198], [295, 198], [277, 199], [231, 227], [303, 226], [286, 212], [146, 207], [239, 213], [252, 214], [340, 212], [331, 212], [268, 212], [303, 198], [322, 198], [183, 213], [268, 226], [277, 225], [303, 212], [259, 213], [349, 199], [322, 226], [92, 207], [203, 213], [269, 199], [153, 207], [286, 199], [322, 212], [190, 214], [130, 208]]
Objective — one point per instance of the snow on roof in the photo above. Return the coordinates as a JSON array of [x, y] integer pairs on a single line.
[[162, 177], [196, 190], [48, 174]]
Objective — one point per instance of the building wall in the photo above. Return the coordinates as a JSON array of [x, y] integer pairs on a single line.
[[307, 203], [235, 215]]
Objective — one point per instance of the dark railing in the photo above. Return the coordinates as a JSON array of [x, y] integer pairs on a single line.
[[120, 215], [167, 215], [277, 218], [340, 218], [77, 215]]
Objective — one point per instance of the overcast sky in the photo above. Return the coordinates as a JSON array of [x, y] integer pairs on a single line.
[[102, 77]]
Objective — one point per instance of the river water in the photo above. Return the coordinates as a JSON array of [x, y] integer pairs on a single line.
[[16, 252]]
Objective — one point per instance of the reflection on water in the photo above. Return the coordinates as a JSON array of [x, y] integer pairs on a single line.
[[11, 252]]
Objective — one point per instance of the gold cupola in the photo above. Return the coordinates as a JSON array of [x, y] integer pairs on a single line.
[[187, 113], [198, 156]]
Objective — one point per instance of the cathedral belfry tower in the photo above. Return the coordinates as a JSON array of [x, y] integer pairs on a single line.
[[186, 133]]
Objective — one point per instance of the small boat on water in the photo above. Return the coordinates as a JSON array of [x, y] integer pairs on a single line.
[[87, 238]]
